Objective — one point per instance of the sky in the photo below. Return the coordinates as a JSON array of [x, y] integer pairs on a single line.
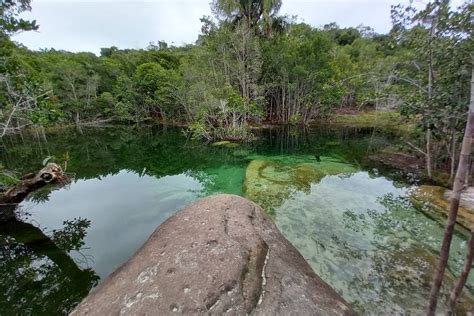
[[88, 25]]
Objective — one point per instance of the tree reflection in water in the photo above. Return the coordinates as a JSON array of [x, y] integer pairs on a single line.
[[37, 275], [401, 259]]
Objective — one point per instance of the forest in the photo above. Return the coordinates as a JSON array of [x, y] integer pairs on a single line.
[[250, 67], [269, 88]]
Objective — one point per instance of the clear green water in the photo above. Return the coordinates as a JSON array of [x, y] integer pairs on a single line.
[[349, 217]]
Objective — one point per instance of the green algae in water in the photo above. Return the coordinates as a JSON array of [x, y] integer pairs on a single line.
[[225, 143], [348, 217], [242, 153], [271, 180], [223, 179]]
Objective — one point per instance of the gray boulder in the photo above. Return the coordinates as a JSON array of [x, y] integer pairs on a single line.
[[219, 255]]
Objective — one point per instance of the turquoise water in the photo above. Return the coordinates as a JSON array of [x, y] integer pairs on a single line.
[[350, 217]]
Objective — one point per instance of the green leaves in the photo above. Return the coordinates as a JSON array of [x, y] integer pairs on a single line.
[[158, 86], [10, 22]]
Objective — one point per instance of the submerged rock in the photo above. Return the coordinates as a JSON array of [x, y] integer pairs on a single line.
[[398, 160], [241, 153], [363, 237], [270, 182], [438, 199], [411, 267], [226, 143], [219, 255]]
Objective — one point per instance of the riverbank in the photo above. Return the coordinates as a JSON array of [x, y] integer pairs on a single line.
[[398, 157], [388, 120]]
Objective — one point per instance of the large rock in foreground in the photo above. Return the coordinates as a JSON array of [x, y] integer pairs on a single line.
[[222, 254]]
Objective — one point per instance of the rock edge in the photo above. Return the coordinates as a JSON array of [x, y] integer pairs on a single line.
[[222, 254]]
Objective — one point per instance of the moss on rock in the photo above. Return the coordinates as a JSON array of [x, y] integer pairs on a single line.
[[270, 182], [225, 143], [438, 199]]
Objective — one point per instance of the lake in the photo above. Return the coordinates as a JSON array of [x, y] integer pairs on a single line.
[[349, 216]]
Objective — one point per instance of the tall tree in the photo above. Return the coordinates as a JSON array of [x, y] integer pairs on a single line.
[[461, 22], [260, 15], [458, 186], [435, 86]]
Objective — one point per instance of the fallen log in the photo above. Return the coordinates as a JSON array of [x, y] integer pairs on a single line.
[[219, 255], [50, 174]]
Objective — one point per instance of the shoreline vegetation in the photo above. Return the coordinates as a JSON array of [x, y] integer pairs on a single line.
[[401, 157], [253, 67]]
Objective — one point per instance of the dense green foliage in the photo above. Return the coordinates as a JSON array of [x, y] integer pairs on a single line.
[[435, 47], [251, 65], [10, 21]]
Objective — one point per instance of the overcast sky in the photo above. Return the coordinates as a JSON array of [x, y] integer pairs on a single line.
[[88, 25]]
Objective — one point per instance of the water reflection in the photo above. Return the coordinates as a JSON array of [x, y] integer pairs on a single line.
[[369, 242], [123, 208], [37, 274]]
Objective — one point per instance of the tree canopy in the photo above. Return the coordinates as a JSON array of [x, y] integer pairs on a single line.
[[251, 66]]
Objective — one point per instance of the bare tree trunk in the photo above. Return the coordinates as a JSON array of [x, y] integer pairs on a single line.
[[5, 128], [453, 156], [463, 277], [429, 153], [430, 99], [468, 173], [458, 186]]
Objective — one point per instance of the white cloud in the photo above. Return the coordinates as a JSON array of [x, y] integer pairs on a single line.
[[88, 25], [373, 13]]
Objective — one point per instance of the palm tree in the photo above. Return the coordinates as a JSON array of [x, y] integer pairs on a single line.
[[260, 15]]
